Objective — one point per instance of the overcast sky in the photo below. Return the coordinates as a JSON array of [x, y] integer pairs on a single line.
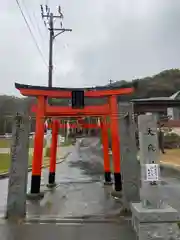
[[111, 39]]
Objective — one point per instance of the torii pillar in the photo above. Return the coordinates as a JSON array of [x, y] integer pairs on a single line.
[[53, 151], [38, 151], [105, 143], [115, 144]]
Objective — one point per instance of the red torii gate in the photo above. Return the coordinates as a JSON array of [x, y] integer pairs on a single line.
[[43, 109]]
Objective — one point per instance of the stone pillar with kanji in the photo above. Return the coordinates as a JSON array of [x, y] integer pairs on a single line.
[[152, 218], [149, 161]]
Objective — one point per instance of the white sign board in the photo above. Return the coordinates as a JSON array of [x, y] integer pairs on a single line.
[[152, 172]]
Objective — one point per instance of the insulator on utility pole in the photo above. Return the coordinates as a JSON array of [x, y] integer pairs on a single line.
[[47, 9], [42, 10], [60, 12], [48, 12], [59, 9], [49, 16]]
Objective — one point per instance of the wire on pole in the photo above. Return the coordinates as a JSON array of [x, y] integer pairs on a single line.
[[32, 35]]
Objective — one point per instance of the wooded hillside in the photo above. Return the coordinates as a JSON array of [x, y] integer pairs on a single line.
[[163, 84]]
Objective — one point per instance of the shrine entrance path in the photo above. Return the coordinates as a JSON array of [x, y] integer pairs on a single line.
[[79, 208]]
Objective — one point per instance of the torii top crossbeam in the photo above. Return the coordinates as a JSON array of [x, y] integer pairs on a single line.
[[42, 93], [29, 90]]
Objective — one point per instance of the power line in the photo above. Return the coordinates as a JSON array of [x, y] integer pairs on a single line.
[[32, 35], [29, 16], [38, 27], [31, 20]]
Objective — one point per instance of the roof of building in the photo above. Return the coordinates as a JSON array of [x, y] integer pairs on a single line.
[[158, 101], [153, 99], [173, 100], [175, 95]]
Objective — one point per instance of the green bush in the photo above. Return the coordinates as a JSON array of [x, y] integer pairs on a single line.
[[171, 140]]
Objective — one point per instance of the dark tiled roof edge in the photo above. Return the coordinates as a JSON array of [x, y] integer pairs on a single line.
[[24, 86]]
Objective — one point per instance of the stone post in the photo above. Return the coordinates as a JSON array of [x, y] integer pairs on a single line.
[[149, 161], [151, 218], [17, 188], [130, 168]]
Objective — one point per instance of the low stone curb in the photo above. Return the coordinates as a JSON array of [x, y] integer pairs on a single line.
[[6, 174], [170, 167], [167, 166]]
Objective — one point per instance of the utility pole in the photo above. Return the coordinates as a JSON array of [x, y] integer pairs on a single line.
[[110, 82], [49, 17]]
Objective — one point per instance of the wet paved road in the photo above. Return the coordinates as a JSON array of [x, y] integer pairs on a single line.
[[80, 190], [88, 231], [80, 205]]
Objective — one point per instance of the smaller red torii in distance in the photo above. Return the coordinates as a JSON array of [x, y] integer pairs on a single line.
[[75, 125]]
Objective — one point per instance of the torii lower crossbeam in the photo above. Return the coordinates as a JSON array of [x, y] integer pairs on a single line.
[[51, 111]]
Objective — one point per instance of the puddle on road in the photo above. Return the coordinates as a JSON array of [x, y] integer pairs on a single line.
[[90, 168]]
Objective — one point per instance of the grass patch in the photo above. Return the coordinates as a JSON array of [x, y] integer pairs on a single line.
[[178, 224], [6, 143], [5, 162], [47, 152], [171, 156]]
